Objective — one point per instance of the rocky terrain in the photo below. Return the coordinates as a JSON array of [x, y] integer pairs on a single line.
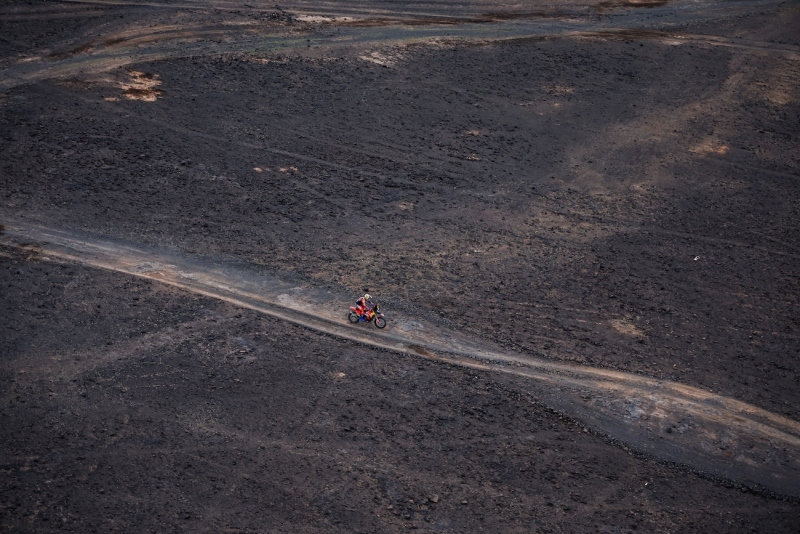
[[613, 185]]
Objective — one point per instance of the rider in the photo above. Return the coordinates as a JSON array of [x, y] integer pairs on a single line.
[[363, 305]]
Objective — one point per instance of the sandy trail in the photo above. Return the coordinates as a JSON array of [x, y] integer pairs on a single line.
[[334, 26], [713, 434]]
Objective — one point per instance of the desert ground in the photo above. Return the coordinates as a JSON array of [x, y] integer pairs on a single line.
[[580, 218]]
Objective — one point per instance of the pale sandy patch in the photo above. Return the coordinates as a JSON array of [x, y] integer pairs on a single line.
[[378, 59], [321, 19], [626, 327], [709, 146], [140, 86]]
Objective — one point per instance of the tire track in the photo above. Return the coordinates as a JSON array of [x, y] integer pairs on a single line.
[[710, 433], [110, 50]]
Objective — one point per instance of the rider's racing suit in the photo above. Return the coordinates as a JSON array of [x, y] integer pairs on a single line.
[[363, 305]]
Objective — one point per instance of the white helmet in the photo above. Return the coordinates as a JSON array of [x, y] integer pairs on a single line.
[[367, 296]]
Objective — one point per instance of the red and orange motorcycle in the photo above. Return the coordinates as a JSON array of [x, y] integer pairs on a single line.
[[371, 315]]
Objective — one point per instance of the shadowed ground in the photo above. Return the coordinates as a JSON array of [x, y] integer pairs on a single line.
[[714, 434], [603, 185]]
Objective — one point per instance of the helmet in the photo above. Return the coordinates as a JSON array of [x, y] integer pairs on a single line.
[[367, 296]]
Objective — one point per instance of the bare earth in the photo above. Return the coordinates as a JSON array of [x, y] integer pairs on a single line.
[[612, 186]]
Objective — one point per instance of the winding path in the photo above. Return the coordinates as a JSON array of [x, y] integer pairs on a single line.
[[340, 24], [710, 433]]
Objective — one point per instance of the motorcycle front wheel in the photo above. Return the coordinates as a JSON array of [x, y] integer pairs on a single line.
[[352, 317], [380, 322]]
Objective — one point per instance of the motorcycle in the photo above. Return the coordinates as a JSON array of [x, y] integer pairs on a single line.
[[372, 315]]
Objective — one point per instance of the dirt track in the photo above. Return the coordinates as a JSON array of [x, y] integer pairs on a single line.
[[601, 188], [707, 432]]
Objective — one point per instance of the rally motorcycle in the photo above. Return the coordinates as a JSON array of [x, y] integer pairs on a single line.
[[371, 315]]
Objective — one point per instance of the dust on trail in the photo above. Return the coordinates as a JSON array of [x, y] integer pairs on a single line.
[[710, 433]]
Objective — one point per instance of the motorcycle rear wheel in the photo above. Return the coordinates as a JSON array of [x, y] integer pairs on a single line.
[[352, 317]]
